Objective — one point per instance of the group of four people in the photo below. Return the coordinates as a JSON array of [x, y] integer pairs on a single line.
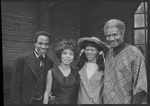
[[112, 73]]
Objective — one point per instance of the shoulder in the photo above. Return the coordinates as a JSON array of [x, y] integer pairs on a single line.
[[74, 70], [49, 72], [133, 48], [49, 62], [135, 51], [54, 69], [55, 72], [23, 57], [48, 59]]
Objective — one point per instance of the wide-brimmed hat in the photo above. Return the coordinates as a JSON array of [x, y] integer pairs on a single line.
[[96, 40]]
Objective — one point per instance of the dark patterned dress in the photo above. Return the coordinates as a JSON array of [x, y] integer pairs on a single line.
[[65, 89]]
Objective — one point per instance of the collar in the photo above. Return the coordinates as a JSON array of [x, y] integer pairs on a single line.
[[37, 54], [117, 49]]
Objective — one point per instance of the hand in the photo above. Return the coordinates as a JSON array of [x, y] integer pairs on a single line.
[[52, 98]]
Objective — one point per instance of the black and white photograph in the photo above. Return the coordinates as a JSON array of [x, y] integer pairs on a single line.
[[77, 52]]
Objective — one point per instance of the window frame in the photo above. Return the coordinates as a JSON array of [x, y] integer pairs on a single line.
[[145, 28]]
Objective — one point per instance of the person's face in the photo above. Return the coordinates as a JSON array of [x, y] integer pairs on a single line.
[[114, 37], [91, 53], [42, 44], [67, 56]]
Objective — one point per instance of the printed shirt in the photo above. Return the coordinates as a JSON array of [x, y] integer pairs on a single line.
[[125, 75]]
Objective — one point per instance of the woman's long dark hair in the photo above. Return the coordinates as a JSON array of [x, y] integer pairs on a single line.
[[83, 58]]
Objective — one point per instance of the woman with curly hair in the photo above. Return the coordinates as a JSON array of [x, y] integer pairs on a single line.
[[62, 81], [91, 67]]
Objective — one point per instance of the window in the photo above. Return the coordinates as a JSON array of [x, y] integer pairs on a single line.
[[141, 28]]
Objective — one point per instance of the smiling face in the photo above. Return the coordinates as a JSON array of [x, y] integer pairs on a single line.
[[114, 37], [67, 56], [42, 44], [91, 53]]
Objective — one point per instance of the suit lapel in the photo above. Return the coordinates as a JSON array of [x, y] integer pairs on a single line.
[[31, 62], [47, 64], [41, 70]]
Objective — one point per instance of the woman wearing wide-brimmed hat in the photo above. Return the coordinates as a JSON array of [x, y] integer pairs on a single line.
[[91, 67]]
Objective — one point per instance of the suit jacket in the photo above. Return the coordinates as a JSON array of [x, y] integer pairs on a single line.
[[24, 78]]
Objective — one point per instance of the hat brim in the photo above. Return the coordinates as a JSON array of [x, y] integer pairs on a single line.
[[82, 41]]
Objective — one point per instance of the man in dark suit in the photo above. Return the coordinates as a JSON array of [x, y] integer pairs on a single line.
[[30, 71]]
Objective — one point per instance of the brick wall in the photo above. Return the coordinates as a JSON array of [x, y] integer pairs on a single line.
[[19, 23], [95, 14], [64, 23]]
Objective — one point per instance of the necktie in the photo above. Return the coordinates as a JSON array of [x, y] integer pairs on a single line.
[[41, 60]]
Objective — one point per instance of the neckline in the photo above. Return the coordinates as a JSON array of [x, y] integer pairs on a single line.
[[90, 63], [37, 54], [62, 72], [93, 73], [118, 49]]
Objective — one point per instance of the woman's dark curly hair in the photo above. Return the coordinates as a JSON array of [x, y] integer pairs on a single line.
[[67, 44], [83, 58]]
